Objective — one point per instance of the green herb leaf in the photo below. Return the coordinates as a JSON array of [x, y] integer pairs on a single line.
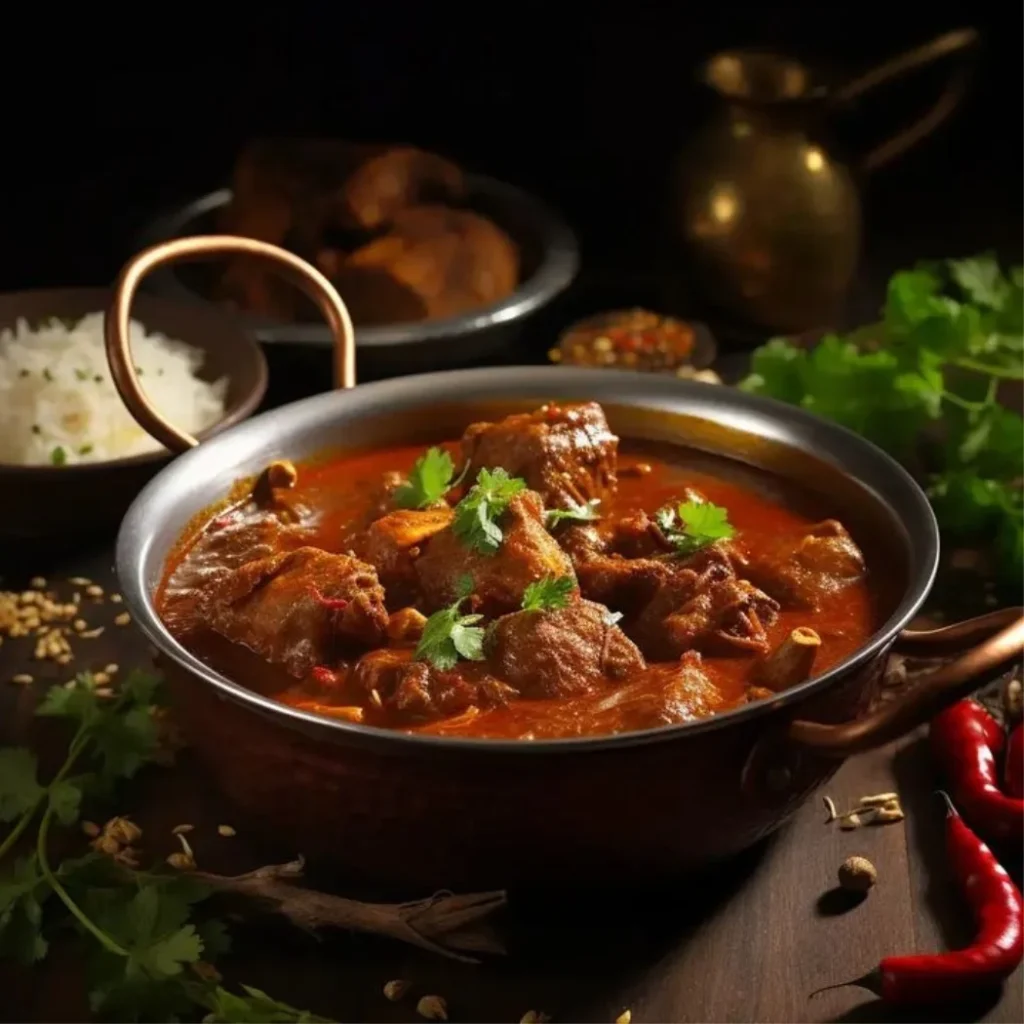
[[78, 702], [255, 1007], [477, 515], [58, 456], [22, 894], [449, 635], [20, 790], [586, 513], [694, 525], [65, 799], [548, 594], [429, 481]]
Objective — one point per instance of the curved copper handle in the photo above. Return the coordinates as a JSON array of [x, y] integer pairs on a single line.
[[958, 41], [181, 250], [998, 639]]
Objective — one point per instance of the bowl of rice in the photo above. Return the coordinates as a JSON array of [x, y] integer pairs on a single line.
[[72, 458]]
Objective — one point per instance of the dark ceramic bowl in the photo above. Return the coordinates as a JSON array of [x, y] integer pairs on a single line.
[[548, 251], [86, 498], [434, 811]]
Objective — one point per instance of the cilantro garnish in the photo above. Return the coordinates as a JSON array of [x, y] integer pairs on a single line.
[[149, 959], [477, 515], [448, 635], [694, 525], [548, 594], [58, 457], [922, 384], [585, 513], [430, 479]]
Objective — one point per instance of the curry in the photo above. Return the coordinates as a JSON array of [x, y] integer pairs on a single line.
[[536, 579]]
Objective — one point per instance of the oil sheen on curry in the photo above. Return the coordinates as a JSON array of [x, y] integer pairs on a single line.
[[535, 579]]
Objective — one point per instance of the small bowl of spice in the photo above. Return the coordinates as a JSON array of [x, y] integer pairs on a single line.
[[638, 339]]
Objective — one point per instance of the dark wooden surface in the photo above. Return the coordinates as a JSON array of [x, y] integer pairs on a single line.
[[747, 942]]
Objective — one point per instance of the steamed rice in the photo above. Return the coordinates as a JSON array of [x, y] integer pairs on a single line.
[[58, 403]]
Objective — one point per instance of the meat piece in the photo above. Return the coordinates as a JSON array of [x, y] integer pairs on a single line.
[[381, 188], [405, 627], [393, 679], [433, 262], [565, 453], [527, 553], [684, 693], [624, 584], [712, 610], [800, 571], [393, 543], [299, 609], [562, 653]]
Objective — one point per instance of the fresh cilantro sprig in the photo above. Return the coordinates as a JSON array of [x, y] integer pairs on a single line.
[[585, 513], [693, 525], [922, 384], [548, 594], [477, 515], [448, 635], [149, 954], [430, 479]]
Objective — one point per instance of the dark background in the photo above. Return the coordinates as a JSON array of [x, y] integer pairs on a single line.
[[114, 116]]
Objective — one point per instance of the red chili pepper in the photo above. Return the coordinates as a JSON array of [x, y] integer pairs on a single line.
[[997, 949], [335, 604], [967, 740], [1013, 773]]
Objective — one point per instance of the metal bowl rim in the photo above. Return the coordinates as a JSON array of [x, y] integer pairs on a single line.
[[801, 430]]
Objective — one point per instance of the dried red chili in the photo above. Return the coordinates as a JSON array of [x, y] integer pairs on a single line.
[[997, 949], [1013, 772], [967, 741]]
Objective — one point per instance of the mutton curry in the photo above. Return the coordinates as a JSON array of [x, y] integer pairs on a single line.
[[536, 579]]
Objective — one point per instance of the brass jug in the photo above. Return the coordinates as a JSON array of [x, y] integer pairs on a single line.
[[770, 218]]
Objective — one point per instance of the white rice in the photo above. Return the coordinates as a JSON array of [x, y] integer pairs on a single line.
[[58, 404]]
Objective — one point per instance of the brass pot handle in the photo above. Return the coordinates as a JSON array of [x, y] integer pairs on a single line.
[[997, 639], [959, 41], [183, 250]]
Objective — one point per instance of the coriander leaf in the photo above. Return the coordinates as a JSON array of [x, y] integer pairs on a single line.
[[19, 786], [255, 1007], [125, 742], [477, 515], [776, 370], [447, 635], [585, 513], [548, 594], [141, 687], [21, 912], [429, 480], [65, 798], [58, 457], [166, 957], [79, 702], [694, 525], [215, 938], [981, 280]]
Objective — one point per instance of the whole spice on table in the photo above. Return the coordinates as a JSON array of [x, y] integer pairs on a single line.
[[857, 874], [1013, 772], [939, 978], [967, 742]]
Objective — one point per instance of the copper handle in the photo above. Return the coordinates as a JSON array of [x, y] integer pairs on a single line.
[[182, 250], [958, 41], [998, 639]]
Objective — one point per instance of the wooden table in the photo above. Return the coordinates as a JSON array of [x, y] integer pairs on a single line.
[[748, 942]]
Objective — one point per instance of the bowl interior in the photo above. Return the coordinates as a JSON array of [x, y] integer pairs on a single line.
[[229, 351], [884, 508]]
